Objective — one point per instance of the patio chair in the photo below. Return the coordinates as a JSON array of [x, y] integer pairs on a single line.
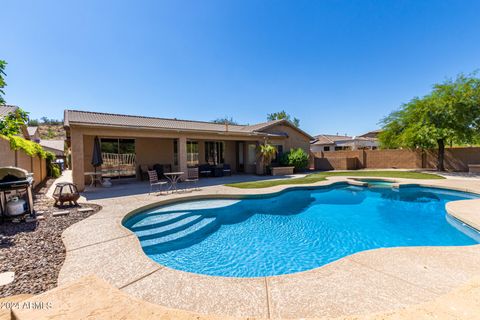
[[143, 171], [205, 170], [192, 178], [153, 177], [227, 170]]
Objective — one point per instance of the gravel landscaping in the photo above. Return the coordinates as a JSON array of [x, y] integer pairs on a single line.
[[34, 250]]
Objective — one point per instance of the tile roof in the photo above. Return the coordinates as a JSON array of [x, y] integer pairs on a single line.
[[329, 138], [56, 146], [6, 109], [109, 119]]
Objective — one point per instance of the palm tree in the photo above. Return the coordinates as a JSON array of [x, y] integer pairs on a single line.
[[266, 153]]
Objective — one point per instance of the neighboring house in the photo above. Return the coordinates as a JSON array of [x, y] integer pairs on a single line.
[[328, 142], [57, 147], [371, 134], [178, 143], [34, 134]]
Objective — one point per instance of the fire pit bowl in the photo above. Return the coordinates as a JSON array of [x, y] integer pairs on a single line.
[[66, 192]]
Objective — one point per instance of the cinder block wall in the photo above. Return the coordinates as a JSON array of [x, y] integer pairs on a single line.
[[20, 159], [456, 159]]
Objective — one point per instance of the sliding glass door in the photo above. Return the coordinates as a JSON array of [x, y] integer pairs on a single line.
[[118, 156], [214, 152]]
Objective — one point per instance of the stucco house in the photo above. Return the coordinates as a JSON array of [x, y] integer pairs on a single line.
[[178, 143], [328, 142]]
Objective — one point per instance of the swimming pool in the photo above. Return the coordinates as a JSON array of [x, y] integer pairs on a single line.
[[296, 230]]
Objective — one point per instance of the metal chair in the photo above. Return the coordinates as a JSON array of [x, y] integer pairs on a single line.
[[192, 178], [153, 177]]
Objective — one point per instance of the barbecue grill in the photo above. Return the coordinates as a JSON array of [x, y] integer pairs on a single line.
[[14, 181]]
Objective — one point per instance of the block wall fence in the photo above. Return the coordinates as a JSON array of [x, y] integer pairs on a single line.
[[35, 165], [456, 159]]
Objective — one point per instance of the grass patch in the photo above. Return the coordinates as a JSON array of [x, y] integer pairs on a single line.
[[315, 177]]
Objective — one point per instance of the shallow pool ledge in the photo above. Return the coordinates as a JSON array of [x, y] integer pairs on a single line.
[[467, 211]]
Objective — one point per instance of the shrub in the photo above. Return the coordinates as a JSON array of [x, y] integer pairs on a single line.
[[52, 168], [55, 171], [29, 147], [297, 158]]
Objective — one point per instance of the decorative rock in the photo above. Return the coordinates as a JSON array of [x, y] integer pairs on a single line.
[[30, 219], [85, 209], [60, 213], [6, 278], [38, 272]]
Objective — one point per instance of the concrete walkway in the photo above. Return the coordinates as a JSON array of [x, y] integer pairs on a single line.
[[93, 298], [65, 177], [366, 282]]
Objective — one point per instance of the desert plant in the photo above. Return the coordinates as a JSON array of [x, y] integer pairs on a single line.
[[266, 153]]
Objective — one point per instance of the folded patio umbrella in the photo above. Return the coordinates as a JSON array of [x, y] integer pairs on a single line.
[[97, 160]]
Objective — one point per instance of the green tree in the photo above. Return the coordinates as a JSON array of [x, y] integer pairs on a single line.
[[225, 120], [3, 64], [12, 123], [449, 114], [33, 122], [283, 115], [266, 153]]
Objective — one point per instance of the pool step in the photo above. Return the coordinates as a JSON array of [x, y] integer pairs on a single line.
[[159, 219], [166, 229], [182, 237]]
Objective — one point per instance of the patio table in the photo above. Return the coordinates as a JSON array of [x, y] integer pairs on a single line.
[[173, 177], [94, 176]]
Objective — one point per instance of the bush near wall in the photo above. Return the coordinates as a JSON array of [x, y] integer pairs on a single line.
[[297, 158]]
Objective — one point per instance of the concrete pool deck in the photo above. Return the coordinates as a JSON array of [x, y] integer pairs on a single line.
[[367, 282]]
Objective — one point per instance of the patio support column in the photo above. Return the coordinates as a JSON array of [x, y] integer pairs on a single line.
[[182, 155], [78, 176]]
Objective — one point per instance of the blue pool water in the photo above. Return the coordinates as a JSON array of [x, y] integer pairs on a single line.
[[297, 230]]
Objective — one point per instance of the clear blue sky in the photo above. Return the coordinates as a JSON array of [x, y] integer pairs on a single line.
[[339, 66]]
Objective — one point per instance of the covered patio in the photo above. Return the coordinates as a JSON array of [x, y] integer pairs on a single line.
[[133, 187], [130, 146]]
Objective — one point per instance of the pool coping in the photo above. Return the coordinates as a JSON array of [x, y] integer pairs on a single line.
[[112, 252]]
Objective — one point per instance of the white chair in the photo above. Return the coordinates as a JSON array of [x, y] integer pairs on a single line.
[[154, 182], [192, 178]]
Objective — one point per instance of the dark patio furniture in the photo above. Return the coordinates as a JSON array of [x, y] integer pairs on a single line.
[[143, 171], [154, 182], [218, 171], [161, 169], [227, 171], [205, 170], [192, 177]]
